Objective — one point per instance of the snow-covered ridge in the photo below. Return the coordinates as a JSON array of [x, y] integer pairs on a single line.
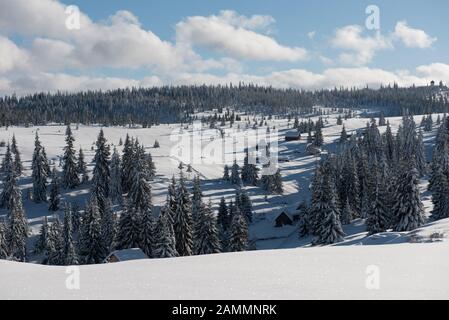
[[402, 271]]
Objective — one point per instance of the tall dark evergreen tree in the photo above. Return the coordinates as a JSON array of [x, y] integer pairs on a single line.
[[18, 225], [18, 166], [70, 177], [40, 173], [165, 243], [8, 180], [101, 174], [70, 255], [238, 235], [54, 192], [206, 234], [115, 189], [183, 223], [129, 229], [82, 167], [92, 246]]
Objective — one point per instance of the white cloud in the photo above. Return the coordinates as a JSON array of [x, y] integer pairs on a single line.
[[11, 56], [255, 22], [311, 35], [412, 38], [359, 49], [233, 38]]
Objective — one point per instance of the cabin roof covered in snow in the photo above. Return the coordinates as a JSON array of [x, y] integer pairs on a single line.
[[292, 133], [128, 254]]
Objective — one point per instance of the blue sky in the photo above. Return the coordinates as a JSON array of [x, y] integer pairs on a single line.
[[303, 44]]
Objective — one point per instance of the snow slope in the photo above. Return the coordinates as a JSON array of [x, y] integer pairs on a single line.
[[405, 271]]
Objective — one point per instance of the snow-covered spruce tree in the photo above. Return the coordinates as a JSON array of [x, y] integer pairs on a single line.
[[91, 245], [147, 233], [115, 188], [82, 167], [226, 176], [346, 214], [165, 245], [3, 245], [127, 159], [197, 199], [206, 233], [183, 223], [343, 136], [304, 224], [223, 215], [70, 177], [54, 192], [70, 256], [150, 166], [18, 224], [408, 209], [378, 218], [101, 175], [440, 196], [246, 206], [420, 157], [108, 227], [40, 174], [328, 229], [318, 138], [56, 240], [249, 171], [277, 182], [129, 228], [389, 146], [171, 195], [18, 166], [42, 245], [235, 174], [9, 176], [238, 233], [139, 195]]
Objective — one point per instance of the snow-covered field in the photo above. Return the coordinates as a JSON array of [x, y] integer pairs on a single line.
[[404, 271], [410, 265]]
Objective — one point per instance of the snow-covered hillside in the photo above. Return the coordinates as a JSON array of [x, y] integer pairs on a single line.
[[404, 271], [296, 173]]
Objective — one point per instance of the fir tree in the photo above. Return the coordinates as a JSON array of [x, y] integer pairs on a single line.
[[82, 167], [69, 170], [42, 245], [235, 174], [115, 189], [226, 173], [70, 256], [8, 181], [206, 233], [238, 234], [146, 236], [183, 222], [54, 192], [139, 195], [127, 159], [408, 210], [108, 227], [40, 174], [3, 244], [18, 224], [165, 245], [56, 244], [129, 228], [92, 246], [303, 225], [18, 167], [101, 174]]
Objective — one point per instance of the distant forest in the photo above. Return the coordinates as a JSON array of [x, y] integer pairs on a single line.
[[151, 106]]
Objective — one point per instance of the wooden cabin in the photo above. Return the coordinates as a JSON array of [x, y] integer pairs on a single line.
[[293, 135], [125, 255], [283, 219]]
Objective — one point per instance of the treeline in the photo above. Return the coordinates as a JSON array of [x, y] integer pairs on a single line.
[[186, 224], [393, 100], [152, 106], [148, 106]]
